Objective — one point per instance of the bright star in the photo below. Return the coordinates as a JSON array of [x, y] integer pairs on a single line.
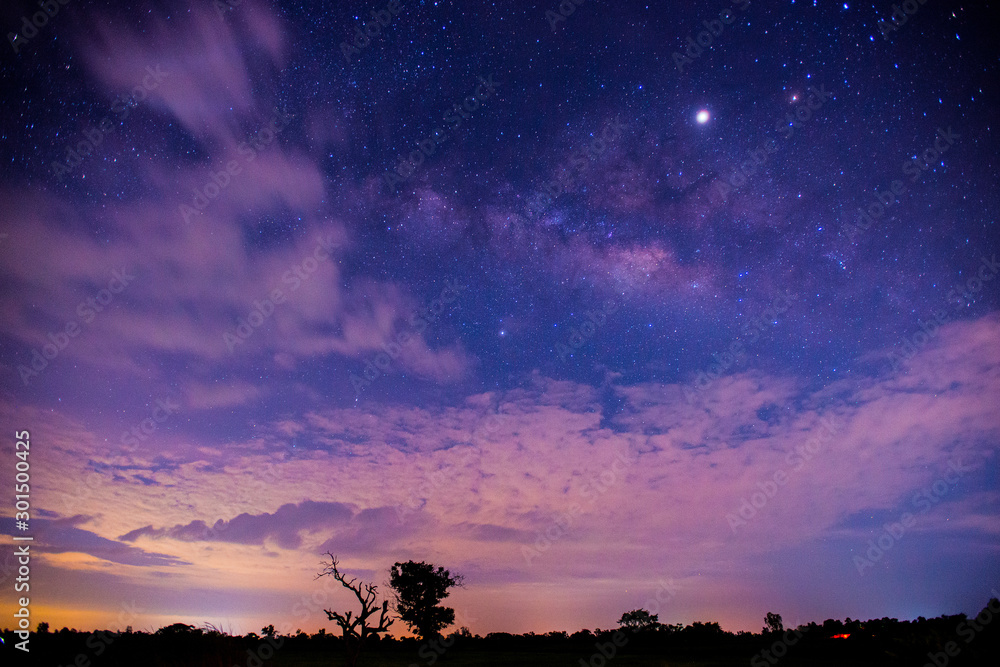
[[702, 116]]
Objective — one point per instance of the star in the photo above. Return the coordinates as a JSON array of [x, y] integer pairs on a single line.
[[702, 300]]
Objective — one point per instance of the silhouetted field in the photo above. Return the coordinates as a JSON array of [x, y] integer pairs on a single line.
[[947, 641], [481, 658]]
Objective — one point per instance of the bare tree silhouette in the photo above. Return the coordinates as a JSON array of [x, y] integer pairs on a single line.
[[357, 629]]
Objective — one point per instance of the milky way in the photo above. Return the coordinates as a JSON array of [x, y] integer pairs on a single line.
[[572, 298]]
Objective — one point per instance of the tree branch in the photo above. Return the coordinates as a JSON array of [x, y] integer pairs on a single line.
[[367, 595]]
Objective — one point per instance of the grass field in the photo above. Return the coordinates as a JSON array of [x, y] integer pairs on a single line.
[[488, 660], [525, 659], [472, 660], [151, 650]]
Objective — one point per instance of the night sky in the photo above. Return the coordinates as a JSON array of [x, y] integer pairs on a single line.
[[585, 302]]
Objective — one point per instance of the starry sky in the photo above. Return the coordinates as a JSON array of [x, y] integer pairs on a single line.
[[585, 302]]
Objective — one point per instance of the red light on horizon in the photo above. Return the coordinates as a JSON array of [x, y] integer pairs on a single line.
[[840, 636]]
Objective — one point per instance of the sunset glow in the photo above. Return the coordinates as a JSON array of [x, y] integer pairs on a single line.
[[478, 292]]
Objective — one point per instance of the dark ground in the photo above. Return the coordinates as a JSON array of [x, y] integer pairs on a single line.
[[885, 642]]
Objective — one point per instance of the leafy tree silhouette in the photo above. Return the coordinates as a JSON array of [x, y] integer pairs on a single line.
[[357, 629], [179, 630], [638, 619], [418, 590], [772, 623]]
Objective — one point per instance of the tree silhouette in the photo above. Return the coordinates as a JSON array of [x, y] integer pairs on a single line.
[[638, 619], [772, 623], [179, 629], [357, 629], [418, 590]]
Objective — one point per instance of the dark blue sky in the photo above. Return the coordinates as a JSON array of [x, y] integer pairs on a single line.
[[631, 233]]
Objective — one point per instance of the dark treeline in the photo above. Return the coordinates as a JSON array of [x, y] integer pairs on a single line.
[[939, 642]]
